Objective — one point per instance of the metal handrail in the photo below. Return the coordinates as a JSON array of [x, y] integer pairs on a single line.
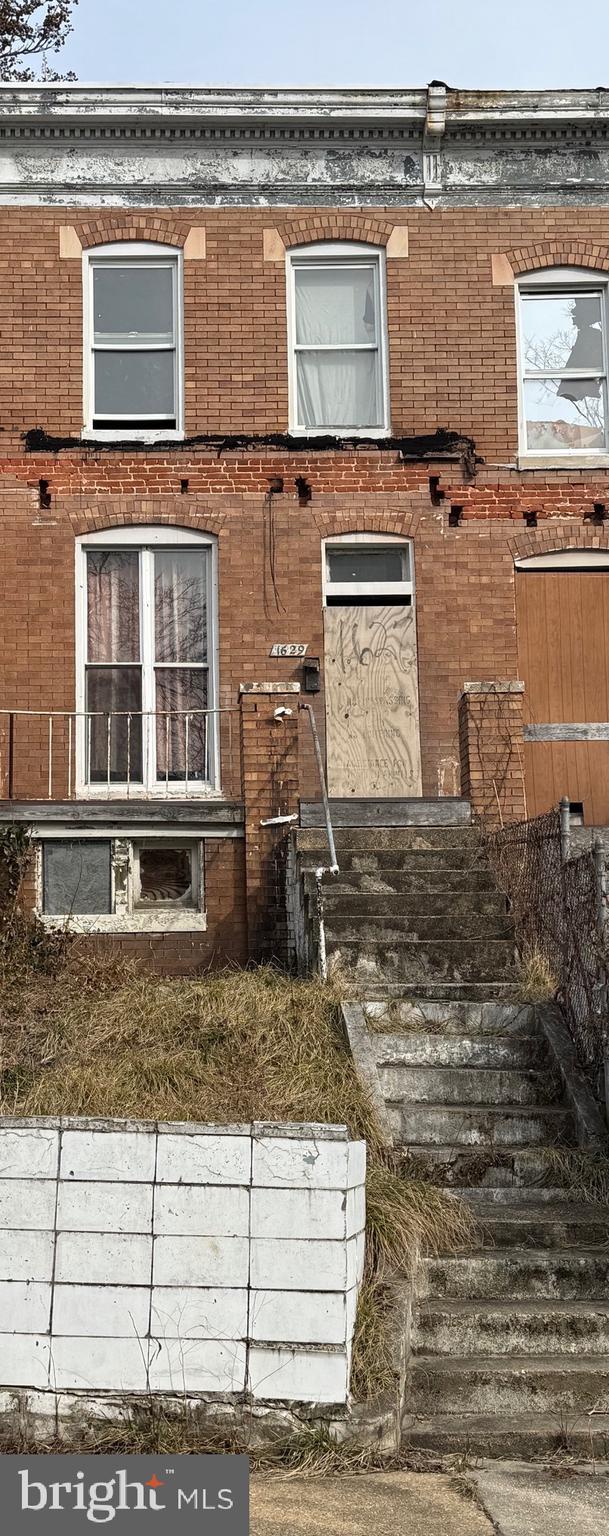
[[332, 867]]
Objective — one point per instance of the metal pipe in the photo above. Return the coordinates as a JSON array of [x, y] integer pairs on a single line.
[[565, 828]]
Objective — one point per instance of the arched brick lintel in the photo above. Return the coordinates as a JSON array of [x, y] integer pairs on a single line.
[[360, 227], [546, 541], [557, 253], [113, 228]]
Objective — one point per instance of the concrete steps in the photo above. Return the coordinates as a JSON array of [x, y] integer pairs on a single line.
[[510, 1339], [373, 929], [478, 1126], [448, 1015], [389, 881], [581, 1436], [411, 961], [391, 813], [552, 1384], [437, 906], [532, 1327], [577, 1274], [479, 1085]]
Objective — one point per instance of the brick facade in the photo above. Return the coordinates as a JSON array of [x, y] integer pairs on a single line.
[[452, 352]]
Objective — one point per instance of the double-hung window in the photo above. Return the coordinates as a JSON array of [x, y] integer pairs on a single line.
[[338, 340], [146, 678], [133, 361], [563, 363]]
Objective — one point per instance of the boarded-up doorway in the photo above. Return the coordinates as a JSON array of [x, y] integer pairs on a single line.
[[372, 706], [562, 605]]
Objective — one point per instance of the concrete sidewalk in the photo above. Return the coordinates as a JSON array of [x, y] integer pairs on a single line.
[[515, 1500], [373, 1504], [524, 1500]]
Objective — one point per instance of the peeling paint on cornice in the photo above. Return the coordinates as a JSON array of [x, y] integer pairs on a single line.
[[182, 146]]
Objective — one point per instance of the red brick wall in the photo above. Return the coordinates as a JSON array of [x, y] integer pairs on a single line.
[[453, 365], [452, 342]]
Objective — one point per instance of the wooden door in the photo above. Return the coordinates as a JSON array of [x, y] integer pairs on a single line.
[[372, 702], [563, 651]]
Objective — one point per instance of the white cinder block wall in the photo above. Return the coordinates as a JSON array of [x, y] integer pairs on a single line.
[[179, 1258]]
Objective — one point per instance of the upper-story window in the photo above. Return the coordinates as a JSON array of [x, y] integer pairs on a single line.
[[563, 363], [338, 340], [133, 340]]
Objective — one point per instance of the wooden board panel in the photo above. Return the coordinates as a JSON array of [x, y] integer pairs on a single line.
[[372, 703], [563, 650]]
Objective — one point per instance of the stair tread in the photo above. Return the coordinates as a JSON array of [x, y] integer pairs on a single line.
[[460, 1365], [465, 1306], [530, 1255], [508, 1434], [549, 1112]]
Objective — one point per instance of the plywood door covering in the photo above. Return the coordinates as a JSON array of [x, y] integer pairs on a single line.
[[372, 705], [563, 650]]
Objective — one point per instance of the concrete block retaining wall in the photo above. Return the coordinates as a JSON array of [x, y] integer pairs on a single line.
[[215, 1260]]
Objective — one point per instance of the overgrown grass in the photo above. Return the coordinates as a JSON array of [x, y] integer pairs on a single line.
[[585, 1174], [536, 980], [81, 1035]]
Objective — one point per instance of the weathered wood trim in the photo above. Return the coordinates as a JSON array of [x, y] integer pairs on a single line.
[[597, 730], [375, 812], [104, 813]]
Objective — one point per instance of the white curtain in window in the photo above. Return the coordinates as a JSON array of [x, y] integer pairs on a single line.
[[180, 622], [335, 307]]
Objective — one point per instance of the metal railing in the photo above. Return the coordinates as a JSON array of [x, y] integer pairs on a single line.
[[323, 869], [59, 754]]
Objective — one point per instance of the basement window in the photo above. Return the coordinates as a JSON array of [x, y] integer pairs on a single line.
[[165, 876], [121, 885], [338, 340], [77, 878], [133, 332]]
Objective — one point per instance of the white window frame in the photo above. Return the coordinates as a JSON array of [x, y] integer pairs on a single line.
[[122, 253], [339, 253], [126, 916], [571, 280], [194, 848], [147, 539], [360, 590]]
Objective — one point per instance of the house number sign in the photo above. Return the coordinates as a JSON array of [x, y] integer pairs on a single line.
[[288, 650]]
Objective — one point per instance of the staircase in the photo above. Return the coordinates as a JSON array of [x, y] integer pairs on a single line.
[[510, 1340]]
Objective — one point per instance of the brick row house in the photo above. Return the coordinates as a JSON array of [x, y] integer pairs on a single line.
[[303, 402]]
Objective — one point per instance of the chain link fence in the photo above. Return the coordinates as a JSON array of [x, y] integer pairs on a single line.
[[559, 908]]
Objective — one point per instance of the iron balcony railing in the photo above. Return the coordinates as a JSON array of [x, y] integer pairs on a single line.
[[65, 754]]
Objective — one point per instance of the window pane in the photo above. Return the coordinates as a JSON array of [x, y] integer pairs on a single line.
[[338, 389], [134, 384], [113, 691], [335, 304], [562, 330], [76, 878], [133, 301], [178, 692], [165, 877], [180, 606], [113, 606], [362, 564], [564, 413]]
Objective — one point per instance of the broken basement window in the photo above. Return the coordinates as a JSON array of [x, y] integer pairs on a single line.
[[165, 876]]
